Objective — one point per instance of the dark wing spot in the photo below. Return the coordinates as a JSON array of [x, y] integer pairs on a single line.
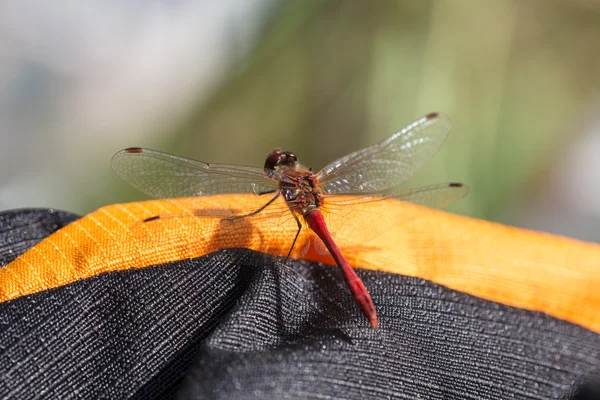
[[154, 218], [134, 150], [454, 184], [432, 115]]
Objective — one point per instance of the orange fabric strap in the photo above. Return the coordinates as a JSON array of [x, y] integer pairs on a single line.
[[521, 268]]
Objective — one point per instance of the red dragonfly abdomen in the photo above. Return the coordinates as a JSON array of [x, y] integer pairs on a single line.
[[316, 222]]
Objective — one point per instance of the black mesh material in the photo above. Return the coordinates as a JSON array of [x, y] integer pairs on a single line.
[[22, 229], [237, 325]]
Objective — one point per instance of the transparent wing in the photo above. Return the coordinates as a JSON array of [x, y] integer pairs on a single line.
[[363, 218], [434, 196], [162, 175], [388, 163]]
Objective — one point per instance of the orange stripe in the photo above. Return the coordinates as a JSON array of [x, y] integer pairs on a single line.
[[521, 268]]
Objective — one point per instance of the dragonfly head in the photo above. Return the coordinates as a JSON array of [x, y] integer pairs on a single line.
[[278, 159]]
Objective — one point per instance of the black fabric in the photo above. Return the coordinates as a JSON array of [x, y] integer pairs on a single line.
[[22, 229], [236, 325]]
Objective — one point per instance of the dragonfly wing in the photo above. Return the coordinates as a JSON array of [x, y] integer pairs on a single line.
[[388, 163], [162, 175], [355, 220], [434, 196]]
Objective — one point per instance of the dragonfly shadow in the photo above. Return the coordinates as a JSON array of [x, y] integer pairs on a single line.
[[231, 234], [305, 298], [283, 302], [327, 305], [316, 291], [310, 297], [198, 232]]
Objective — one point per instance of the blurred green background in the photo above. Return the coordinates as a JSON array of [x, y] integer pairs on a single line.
[[519, 79]]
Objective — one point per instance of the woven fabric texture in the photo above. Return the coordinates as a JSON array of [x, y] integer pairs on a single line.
[[491, 261], [238, 325]]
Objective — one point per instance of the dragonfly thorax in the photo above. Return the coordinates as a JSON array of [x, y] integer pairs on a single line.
[[302, 194], [299, 189]]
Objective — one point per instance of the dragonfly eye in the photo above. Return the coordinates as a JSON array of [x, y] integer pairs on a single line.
[[277, 158], [288, 159], [273, 160]]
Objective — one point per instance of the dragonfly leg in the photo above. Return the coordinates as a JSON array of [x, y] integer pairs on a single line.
[[256, 211], [296, 237], [268, 192]]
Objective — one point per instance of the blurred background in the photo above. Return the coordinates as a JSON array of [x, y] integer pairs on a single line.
[[229, 80]]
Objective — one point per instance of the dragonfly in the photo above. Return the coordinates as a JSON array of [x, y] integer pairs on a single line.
[[371, 174]]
